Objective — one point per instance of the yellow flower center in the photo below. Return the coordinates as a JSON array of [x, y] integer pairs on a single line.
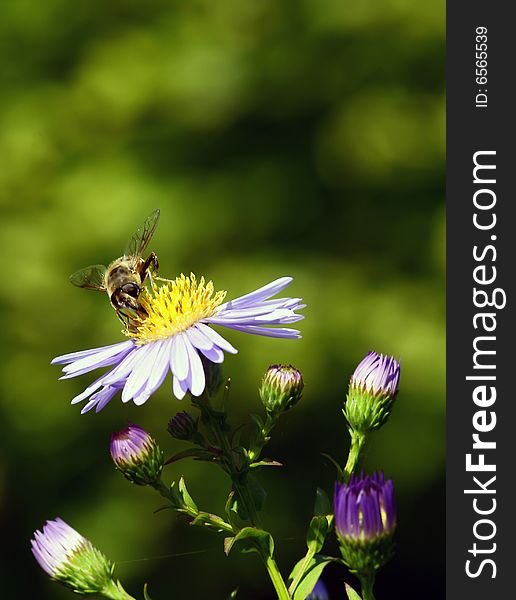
[[174, 307]]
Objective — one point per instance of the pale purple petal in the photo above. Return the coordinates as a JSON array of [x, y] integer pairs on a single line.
[[104, 356], [198, 339], [88, 391], [263, 293], [215, 354], [100, 399], [75, 356], [275, 332], [179, 388]]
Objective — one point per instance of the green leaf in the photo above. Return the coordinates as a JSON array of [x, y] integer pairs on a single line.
[[233, 511], [185, 496], [195, 453], [352, 595], [322, 504], [250, 539], [266, 462], [146, 593], [257, 492], [340, 471], [317, 531], [257, 420], [312, 572]]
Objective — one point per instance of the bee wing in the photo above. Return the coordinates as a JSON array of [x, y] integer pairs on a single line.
[[142, 237], [91, 277]]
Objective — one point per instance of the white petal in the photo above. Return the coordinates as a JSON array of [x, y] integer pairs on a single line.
[[141, 372], [217, 338], [161, 366], [198, 339], [88, 391], [125, 367], [179, 388], [179, 363], [197, 377]]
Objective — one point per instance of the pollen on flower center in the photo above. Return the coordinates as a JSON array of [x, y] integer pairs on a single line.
[[174, 307]]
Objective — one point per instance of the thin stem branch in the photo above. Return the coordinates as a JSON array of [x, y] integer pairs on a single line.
[[295, 582], [213, 520], [355, 450]]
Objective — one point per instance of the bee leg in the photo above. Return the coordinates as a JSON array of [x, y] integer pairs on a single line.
[[150, 267]]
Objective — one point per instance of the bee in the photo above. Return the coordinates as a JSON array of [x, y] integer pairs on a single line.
[[123, 278]]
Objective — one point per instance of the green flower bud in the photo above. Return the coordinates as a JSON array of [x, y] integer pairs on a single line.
[[372, 390], [281, 388], [72, 560], [137, 455]]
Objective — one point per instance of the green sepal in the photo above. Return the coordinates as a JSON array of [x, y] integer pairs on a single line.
[[195, 453], [340, 471], [146, 593], [250, 539], [233, 595], [352, 595], [311, 573]]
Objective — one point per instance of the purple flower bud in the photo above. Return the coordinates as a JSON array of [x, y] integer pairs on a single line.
[[377, 374], [137, 455], [71, 559], [372, 390], [281, 388], [365, 520], [183, 426], [319, 592]]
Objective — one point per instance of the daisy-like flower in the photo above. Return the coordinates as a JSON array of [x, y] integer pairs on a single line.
[[172, 337]]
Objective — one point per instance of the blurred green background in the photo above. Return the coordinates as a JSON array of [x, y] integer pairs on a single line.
[[301, 138]]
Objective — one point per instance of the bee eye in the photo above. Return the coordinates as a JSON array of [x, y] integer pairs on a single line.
[[131, 289]]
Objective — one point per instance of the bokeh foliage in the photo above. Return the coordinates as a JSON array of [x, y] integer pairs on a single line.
[[294, 137]]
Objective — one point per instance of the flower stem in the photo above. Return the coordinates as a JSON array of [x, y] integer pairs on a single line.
[[367, 583], [115, 591], [216, 423], [276, 578], [302, 571], [357, 445]]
